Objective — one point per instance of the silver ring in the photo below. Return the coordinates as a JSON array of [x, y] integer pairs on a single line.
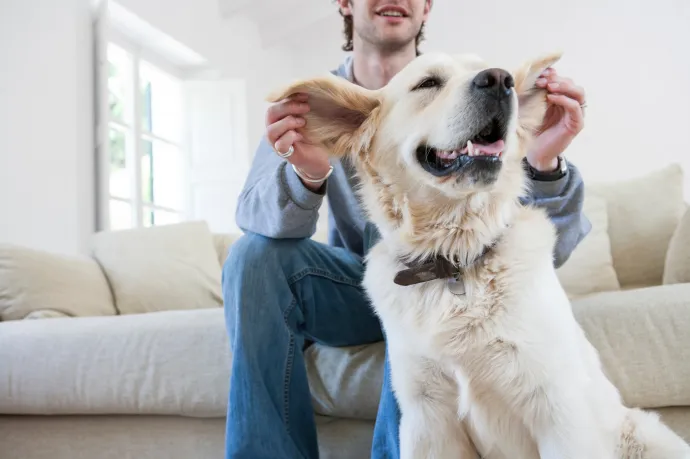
[[287, 154]]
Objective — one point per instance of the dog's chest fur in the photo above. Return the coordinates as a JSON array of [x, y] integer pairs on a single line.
[[467, 337], [495, 289]]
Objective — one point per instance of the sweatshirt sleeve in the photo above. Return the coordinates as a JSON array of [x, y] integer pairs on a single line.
[[563, 200], [274, 202]]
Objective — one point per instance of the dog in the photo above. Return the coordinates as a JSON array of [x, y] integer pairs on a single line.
[[487, 359]]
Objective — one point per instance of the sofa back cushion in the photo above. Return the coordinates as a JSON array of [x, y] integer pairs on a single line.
[[35, 283], [590, 267], [168, 267], [643, 213], [222, 243], [677, 266]]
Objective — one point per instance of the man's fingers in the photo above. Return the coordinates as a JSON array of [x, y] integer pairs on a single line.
[[287, 140], [571, 106], [560, 85], [279, 128], [285, 108]]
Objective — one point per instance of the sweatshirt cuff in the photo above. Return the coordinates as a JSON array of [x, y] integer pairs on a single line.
[[299, 194], [542, 189]]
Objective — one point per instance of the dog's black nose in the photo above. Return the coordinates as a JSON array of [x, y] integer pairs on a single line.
[[494, 80]]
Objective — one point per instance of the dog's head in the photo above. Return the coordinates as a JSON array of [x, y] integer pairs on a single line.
[[446, 129]]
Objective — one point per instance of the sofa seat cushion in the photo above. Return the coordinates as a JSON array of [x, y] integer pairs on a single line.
[[346, 381], [171, 362], [641, 336], [643, 341]]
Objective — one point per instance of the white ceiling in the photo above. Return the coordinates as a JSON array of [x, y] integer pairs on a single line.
[[277, 19]]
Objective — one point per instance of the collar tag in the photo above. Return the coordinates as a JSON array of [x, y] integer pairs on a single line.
[[456, 285]]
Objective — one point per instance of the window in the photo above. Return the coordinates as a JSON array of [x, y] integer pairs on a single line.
[[146, 145]]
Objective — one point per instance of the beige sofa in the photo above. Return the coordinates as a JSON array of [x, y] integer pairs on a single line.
[[124, 354]]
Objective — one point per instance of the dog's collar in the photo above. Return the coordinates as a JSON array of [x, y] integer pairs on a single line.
[[435, 268]]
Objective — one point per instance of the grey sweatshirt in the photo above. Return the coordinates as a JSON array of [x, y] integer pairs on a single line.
[[274, 202]]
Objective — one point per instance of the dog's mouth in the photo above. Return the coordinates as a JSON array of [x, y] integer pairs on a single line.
[[486, 146]]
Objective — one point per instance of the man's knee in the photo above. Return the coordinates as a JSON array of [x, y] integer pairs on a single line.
[[254, 262], [253, 251]]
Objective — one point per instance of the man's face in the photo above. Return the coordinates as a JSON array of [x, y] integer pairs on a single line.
[[387, 24]]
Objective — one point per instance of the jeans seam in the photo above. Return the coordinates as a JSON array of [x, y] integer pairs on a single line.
[[288, 367], [322, 273]]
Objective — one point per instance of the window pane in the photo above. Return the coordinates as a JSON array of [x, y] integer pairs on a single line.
[[120, 184], [156, 217], [161, 102], [120, 215], [162, 175], [119, 78]]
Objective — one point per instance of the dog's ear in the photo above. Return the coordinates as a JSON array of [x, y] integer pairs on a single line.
[[532, 100], [341, 115]]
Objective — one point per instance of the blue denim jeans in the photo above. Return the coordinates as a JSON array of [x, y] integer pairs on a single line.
[[277, 294]]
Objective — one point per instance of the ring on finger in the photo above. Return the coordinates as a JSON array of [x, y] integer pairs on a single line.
[[287, 154]]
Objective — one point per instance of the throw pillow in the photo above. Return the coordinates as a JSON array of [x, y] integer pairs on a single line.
[[643, 213], [677, 266], [33, 281], [590, 267], [168, 267]]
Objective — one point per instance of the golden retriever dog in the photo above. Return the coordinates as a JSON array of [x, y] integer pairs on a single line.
[[487, 359]]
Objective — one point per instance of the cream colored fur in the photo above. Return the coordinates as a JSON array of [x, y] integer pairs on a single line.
[[505, 371]]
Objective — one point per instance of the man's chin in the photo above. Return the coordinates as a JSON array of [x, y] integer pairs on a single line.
[[395, 41]]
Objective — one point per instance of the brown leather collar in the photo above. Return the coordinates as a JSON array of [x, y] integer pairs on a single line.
[[434, 268]]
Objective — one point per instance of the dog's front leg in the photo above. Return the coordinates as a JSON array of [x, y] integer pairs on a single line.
[[568, 430], [430, 427]]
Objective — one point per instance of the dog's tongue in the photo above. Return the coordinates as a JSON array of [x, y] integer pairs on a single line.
[[489, 149]]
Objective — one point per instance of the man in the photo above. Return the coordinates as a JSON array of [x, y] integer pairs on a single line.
[[282, 289]]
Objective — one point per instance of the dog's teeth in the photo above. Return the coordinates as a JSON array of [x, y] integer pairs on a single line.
[[470, 148], [447, 154]]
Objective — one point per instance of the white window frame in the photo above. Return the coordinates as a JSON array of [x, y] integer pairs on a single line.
[[134, 152]]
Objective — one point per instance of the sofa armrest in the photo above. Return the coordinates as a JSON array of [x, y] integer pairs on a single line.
[[643, 341]]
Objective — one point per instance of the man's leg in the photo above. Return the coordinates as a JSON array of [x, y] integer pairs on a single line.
[[277, 293], [386, 444]]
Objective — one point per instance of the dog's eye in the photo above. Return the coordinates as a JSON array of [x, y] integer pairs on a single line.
[[429, 82]]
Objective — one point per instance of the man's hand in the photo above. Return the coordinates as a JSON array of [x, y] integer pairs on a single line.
[[282, 121], [564, 119]]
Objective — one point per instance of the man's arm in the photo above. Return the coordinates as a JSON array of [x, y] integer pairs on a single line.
[[274, 202], [563, 199]]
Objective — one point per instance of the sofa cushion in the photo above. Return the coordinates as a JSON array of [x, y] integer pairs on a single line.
[[590, 267], [643, 213], [169, 362], [641, 336], [677, 266], [222, 243], [161, 268], [33, 280], [346, 381], [642, 339]]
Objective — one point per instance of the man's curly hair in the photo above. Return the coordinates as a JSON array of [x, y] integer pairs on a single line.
[[348, 30]]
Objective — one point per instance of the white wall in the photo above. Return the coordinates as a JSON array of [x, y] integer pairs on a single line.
[[632, 57], [47, 188], [46, 146]]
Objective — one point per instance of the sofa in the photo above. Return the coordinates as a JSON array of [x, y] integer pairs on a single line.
[[123, 353]]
